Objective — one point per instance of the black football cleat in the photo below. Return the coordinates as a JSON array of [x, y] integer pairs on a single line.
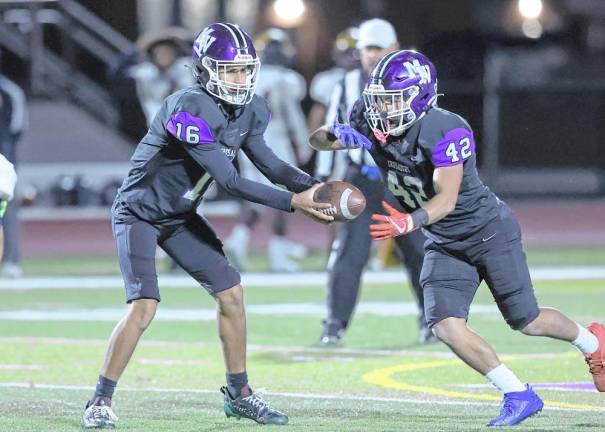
[[332, 333], [98, 417], [253, 407]]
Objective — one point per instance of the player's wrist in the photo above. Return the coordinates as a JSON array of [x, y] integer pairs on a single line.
[[420, 218], [330, 135]]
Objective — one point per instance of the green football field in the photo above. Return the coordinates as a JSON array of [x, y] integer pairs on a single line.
[[53, 340]]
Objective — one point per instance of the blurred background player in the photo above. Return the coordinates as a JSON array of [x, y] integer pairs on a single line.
[[351, 248], [287, 134], [8, 179], [13, 122], [165, 69], [345, 56]]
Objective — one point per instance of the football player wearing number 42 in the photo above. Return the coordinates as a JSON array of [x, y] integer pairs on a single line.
[[192, 141], [427, 155]]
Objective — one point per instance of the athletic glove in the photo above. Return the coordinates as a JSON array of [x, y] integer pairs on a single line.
[[393, 224], [349, 137]]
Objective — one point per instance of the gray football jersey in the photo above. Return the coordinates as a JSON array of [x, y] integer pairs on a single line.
[[439, 139], [191, 142]]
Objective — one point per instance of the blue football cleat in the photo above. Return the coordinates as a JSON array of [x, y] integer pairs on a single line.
[[517, 406]]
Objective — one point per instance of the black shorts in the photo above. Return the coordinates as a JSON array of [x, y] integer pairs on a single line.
[[452, 272], [193, 245]]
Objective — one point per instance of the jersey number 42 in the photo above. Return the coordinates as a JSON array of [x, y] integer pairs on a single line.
[[410, 190]]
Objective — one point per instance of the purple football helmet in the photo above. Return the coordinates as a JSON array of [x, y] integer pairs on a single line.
[[400, 89], [221, 48]]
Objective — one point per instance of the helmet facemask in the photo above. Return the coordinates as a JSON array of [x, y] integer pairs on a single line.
[[231, 92], [389, 112]]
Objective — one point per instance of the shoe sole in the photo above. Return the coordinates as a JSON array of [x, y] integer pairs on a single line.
[[520, 421]]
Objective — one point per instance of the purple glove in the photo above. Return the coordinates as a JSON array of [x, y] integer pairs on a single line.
[[349, 137]]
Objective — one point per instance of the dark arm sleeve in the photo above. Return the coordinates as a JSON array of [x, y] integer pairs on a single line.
[[214, 161], [275, 169]]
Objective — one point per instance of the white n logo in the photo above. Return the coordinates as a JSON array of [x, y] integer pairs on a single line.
[[415, 69], [203, 41]]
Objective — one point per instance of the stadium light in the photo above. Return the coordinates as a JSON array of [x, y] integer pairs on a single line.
[[532, 28], [289, 13], [530, 9]]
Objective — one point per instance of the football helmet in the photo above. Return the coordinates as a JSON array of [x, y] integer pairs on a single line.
[[345, 53], [399, 90], [275, 47], [217, 50]]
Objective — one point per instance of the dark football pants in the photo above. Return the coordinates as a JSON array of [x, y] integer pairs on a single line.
[[351, 250], [193, 245], [452, 273]]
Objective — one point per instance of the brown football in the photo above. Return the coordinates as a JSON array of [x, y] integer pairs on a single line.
[[347, 201]]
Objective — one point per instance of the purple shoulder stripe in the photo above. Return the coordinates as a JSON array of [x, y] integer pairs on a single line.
[[189, 128], [456, 146]]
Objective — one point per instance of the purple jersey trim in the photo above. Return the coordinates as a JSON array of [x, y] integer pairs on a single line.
[[456, 146], [193, 130]]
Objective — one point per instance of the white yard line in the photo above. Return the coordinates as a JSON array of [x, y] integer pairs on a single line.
[[272, 279], [318, 396], [21, 367]]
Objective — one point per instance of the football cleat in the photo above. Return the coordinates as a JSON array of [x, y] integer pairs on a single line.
[[596, 360], [517, 406], [98, 417], [253, 407], [332, 333]]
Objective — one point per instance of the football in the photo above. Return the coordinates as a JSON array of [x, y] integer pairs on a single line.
[[347, 201]]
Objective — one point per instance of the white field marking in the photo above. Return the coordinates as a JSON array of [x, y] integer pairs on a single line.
[[271, 279], [34, 386], [166, 362], [328, 353], [206, 314], [21, 367]]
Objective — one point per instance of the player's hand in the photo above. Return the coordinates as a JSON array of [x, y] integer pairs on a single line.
[[393, 224], [304, 202], [349, 137]]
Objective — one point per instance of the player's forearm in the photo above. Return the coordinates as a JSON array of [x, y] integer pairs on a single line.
[[277, 170], [322, 139], [294, 179], [258, 193], [439, 207]]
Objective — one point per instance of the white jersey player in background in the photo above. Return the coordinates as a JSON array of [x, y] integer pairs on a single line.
[[287, 135], [346, 58]]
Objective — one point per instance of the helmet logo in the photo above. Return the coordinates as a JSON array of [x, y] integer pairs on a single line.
[[203, 42], [415, 69]]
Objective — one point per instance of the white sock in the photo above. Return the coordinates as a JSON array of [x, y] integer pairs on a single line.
[[586, 342], [505, 380]]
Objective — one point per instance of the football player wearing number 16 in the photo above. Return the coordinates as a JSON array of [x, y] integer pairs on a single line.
[[426, 151], [192, 141]]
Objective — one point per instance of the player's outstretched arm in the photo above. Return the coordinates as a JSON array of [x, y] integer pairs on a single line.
[[275, 169], [322, 139], [338, 136], [304, 202]]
